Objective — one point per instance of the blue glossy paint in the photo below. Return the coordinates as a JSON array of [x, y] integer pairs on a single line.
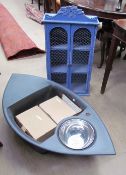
[[70, 35], [21, 88]]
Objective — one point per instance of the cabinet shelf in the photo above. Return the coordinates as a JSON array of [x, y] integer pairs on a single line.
[[59, 47], [78, 82], [59, 68], [79, 68], [76, 47], [82, 47], [78, 87], [76, 68]]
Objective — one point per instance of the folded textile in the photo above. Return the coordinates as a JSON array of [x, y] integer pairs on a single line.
[[14, 40], [33, 13]]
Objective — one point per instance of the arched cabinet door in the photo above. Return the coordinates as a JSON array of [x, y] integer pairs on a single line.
[[58, 55], [82, 37], [58, 37], [80, 54]]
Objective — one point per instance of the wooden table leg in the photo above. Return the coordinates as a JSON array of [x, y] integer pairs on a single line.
[[1, 144], [124, 58], [112, 54], [39, 4], [53, 5], [103, 44], [47, 6], [105, 40]]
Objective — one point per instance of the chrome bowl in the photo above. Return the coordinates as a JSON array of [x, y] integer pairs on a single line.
[[76, 133]]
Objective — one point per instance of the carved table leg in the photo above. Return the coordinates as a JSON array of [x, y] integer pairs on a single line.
[[102, 54], [47, 6], [112, 54], [124, 58], [53, 5], [1, 144], [39, 4], [105, 45]]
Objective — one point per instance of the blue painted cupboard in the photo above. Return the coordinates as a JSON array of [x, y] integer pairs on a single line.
[[70, 39]]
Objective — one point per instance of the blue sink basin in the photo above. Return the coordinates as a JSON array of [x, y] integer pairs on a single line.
[[25, 91]]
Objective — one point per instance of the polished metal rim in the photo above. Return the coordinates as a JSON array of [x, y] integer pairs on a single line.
[[76, 133]]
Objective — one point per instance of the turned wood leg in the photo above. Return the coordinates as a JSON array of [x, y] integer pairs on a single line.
[[39, 4], [102, 54], [111, 56], [53, 5], [107, 48], [62, 2], [121, 50], [124, 58], [47, 8], [1, 144], [105, 40]]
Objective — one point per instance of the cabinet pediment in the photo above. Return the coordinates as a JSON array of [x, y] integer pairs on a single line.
[[71, 14]]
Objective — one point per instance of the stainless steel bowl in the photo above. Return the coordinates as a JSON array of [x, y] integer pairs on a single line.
[[76, 133]]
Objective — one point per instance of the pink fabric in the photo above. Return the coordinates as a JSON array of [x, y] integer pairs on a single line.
[[33, 13], [13, 39]]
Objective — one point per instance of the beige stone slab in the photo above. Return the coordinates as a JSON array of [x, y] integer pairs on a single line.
[[57, 109], [36, 122]]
